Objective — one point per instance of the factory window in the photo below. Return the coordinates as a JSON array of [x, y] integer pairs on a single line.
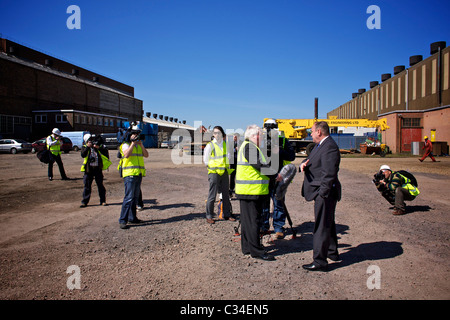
[[83, 119], [111, 122], [40, 118], [77, 118], [60, 118], [411, 122], [99, 121]]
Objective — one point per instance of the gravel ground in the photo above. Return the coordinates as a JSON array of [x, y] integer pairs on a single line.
[[176, 255]]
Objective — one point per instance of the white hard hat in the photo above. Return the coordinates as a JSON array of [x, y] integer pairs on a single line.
[[56, 131], [135, 128], [86, 137], [270, 123], [385, 167]]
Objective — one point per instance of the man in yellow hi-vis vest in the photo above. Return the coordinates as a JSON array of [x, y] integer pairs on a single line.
[[133, 169], [396, 188], [216, 158], [252, 189], [54, 146]]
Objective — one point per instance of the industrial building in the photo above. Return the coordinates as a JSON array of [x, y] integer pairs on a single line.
[[39, 92], [415, 101], [166, 126]]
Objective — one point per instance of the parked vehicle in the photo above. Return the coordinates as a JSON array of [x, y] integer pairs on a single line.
[[41, 144], [110, 140], [15, 145], [164, 144], [76, 137]]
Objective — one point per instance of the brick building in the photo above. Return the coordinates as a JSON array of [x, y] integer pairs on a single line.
[[39, 92], [415, 100]]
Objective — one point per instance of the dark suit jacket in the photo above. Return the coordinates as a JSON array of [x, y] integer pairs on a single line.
[[321, 173]]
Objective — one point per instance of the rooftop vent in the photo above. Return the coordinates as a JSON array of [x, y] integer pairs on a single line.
[[373, 84], [398, 69], [415, 59], [385, 76], [436, 46]]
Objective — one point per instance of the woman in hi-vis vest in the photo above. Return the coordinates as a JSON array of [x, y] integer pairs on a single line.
[[216, 158]]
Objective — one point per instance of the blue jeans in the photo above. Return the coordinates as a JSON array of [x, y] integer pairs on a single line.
[[279, 216], [132, 190]]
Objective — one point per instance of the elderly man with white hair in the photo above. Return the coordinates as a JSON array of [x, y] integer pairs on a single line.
[[252, 189]]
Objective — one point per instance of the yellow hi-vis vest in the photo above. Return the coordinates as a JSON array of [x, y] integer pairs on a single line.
[[250, 181], [56, 148], [134, 164], [413, 190], [285, 162], [105, 162], [218, 160]]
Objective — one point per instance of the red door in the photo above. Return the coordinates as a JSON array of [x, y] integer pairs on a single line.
[[410, 135]]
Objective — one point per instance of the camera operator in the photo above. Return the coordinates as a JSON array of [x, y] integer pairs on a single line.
[[96, 159], [133, 169], [395, 188], [286, 154], [53, 143]]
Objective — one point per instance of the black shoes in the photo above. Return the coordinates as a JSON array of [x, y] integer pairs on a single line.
[[265, 257], [314, 267]]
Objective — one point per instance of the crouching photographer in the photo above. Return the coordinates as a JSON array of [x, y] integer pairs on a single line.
[[396, 187], [96, 159]]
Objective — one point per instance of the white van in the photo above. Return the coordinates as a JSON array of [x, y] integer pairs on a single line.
[[76, 137]]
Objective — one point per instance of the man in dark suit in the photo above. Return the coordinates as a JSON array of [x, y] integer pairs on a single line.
[[322, 185]]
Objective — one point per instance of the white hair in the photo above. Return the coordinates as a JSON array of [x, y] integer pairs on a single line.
[[252, 130]]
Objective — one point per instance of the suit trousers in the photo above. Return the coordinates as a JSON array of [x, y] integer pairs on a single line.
[[251, 213], [324, 235]]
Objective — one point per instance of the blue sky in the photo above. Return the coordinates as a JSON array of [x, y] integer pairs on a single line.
[[232, 62]]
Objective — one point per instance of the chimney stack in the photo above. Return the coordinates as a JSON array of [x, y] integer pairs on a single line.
[[316, 108]]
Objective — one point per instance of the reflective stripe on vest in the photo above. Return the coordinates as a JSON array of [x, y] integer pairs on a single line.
[[413, 190], [218, 160], [56, 148], [134, 164], [250, 181]]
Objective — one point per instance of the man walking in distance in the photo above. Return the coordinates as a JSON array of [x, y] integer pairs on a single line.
[[322, 185], [428, 146], [54, 145], [133, 169]]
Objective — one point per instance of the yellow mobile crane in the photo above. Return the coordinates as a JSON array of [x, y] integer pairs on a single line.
[[295, 129]]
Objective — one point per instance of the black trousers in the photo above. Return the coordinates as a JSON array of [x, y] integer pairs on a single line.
[[60, 165], [218, 184], [324, 235], [87, 179], [251, 214]]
